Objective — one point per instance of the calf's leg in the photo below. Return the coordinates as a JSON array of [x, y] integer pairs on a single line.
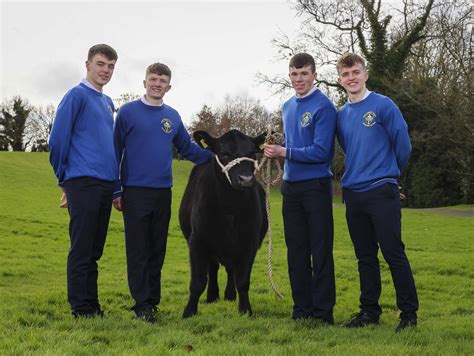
[[242, 282], [199, 268], [212, 283], [229, 293]]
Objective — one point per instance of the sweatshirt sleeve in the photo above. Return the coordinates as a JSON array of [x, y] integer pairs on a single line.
[[397, 130], [339, 135], [61, 133], [119, 144], [188, 148], [322, 147]]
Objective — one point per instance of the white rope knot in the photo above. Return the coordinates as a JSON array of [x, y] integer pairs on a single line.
[[228, 166]]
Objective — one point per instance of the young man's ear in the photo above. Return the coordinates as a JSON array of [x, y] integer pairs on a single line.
[[203, 139]]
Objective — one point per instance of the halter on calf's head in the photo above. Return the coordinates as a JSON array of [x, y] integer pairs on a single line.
[[235, 155]]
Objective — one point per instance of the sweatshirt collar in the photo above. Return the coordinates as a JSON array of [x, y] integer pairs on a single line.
[[366, 94], [308, 93], [89, 85], [146, 102]]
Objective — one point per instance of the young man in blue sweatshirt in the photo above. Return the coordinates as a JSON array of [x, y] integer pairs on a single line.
[[82, 155], [309, 122], [144, 133], [374, 137]]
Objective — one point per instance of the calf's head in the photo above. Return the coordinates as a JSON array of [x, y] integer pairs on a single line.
[[235, 155]]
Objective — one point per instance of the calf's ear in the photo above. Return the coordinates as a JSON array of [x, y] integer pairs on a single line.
[[204, 140], [259, 141]]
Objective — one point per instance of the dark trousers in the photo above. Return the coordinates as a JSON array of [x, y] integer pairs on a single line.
[[374, 219], [146, 215], [309, 236], [89, 203]]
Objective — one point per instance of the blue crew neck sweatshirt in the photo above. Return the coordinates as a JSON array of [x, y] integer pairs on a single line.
[[81, 141], [309, 125], [374, 137], [144, 136]]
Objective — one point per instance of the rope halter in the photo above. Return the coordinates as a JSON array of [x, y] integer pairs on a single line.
[[228, 166]]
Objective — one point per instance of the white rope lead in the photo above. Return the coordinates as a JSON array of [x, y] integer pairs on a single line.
[[228, 166], [265, 175]]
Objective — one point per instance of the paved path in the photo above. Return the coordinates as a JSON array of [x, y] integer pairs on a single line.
[[450, 212]]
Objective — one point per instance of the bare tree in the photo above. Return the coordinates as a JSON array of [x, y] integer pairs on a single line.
[[383, 32], [124, 98], [206, 120], [38, 127], [240, 112]]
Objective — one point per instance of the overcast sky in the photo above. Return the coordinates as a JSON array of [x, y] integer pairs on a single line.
[[213, 48]]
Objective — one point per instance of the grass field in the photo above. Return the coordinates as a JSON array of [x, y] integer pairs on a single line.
[[35, 316]]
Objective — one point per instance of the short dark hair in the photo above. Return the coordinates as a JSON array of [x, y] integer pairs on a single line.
[[348, 60], [301, 60], [158, 68], [104, 50]]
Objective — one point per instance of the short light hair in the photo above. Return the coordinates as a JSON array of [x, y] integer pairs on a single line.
[[159, 69], [103, 49], [348, 60]]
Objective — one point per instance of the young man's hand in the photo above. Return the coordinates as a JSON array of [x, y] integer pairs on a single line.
[[274, 151], [63, 200], [402, 195], [117, 202]]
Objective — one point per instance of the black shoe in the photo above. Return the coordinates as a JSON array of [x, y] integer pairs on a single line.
[[360, 320], [406, 322], [147, 315]]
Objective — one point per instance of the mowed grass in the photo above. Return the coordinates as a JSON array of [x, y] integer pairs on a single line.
[[35, 317]]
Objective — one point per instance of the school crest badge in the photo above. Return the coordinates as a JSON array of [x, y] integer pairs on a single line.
[[166, 125], [305, 120], [369, 119]]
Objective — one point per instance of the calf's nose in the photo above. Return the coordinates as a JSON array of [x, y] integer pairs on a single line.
[[245, 181]]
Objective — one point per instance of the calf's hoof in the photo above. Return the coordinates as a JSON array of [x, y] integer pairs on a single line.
[[212, 299], [230, 295], [189, 312], [245, 310]]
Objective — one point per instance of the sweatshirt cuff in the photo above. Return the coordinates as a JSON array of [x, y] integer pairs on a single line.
[[117, 194]]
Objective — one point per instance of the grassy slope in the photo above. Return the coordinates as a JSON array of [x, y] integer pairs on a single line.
[[34, 315]]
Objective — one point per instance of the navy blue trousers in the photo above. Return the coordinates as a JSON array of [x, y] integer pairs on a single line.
[[89, 204], [309, 236], [146, 215], [374, 219]]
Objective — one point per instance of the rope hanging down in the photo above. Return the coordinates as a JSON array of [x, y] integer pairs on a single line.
[[272, 138]]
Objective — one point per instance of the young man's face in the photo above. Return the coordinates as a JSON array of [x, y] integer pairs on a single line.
[[302, 79], [353, 78], [99, 70], [156, 85]]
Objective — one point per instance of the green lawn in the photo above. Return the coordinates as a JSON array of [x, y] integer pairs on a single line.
[[35, 316]]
